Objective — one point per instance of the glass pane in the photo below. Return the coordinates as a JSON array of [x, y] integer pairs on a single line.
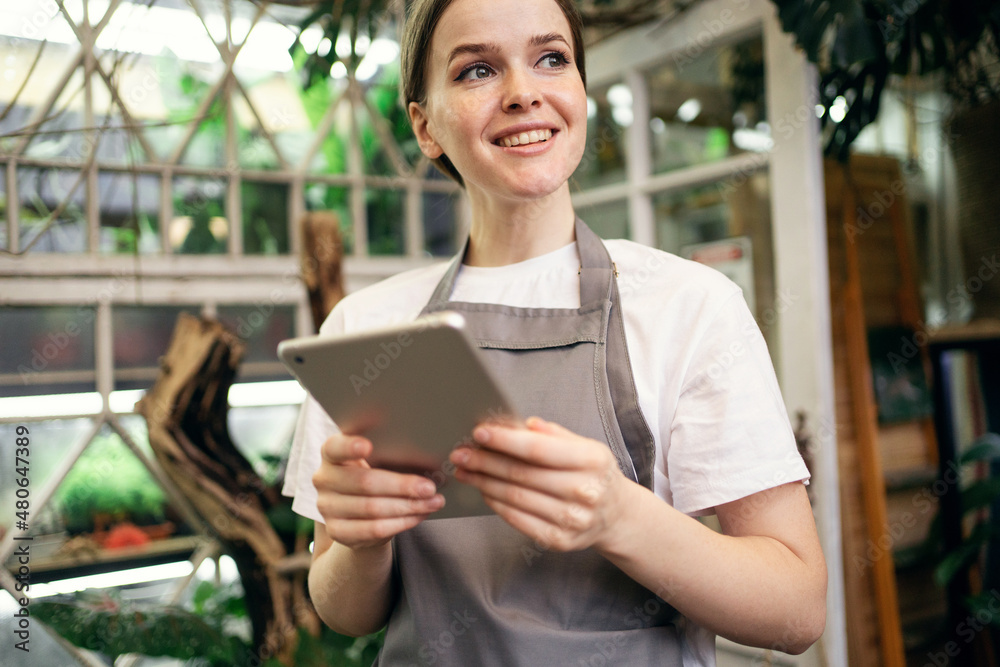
[[608, 220], [331, 157], [130, 213], [261, 326], [264, 435], [40, 342], [265, 218], [609, 114], [728, 226], [109, 485], [49, 444], [59, 134], [199, 226], [709, 107], [41, 191], [141, 337], [386, 220], [441, 223], [383, 97], [336, 200]]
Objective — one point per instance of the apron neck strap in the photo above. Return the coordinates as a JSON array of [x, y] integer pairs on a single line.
[[596, 270]]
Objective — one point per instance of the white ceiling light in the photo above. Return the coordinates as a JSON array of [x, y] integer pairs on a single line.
[[623, 116], [838, 110], [690, 110], [620, 95]]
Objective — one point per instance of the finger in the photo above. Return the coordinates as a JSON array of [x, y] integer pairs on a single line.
[[339, 449], [568, 515], [366, 533], [554, 482], [351, 480], [561, 450], [545, 535], [342, 507]]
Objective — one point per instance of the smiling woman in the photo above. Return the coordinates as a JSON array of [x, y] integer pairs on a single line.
[[634, 431]]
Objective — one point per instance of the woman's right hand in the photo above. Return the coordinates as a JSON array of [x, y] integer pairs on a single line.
[[364, 506]]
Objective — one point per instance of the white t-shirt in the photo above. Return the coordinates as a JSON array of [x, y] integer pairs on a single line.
[[705, 381]]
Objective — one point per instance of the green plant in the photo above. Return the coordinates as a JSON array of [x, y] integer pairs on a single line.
[[858, 44], [209, 635], [108, 479], [977, 500]]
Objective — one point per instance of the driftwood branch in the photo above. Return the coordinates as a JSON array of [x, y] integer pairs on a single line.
[[186, 413]]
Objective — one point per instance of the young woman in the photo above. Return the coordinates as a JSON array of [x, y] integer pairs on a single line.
[[654, 395]]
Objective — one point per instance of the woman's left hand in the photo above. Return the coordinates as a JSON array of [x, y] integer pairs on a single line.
[[561, 489]]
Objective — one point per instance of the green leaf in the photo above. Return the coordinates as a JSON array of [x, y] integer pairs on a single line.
[[984, 606], [985, 448], [980, 494], [959, 559]]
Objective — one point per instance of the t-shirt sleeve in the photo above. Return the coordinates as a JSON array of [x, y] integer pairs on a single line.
[[730, 436], [313, 428]]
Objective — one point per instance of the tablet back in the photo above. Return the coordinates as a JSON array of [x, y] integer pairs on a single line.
[[416, 391]]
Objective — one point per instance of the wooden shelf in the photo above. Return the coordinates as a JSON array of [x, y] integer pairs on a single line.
[[56, 567]]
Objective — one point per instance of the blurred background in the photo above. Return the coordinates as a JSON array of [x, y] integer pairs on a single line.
[[247, 162]]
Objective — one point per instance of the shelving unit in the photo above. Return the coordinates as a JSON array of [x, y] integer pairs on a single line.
[[886, 469]]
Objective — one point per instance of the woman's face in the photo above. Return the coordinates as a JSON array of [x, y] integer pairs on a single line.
[[505, 101]]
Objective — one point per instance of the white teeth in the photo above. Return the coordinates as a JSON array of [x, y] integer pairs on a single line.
[[525, 138]]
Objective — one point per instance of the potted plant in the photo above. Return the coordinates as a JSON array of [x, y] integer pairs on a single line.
[[858, 45], [107, 487]]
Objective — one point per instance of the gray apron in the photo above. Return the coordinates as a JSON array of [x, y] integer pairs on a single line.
[[474, 591]]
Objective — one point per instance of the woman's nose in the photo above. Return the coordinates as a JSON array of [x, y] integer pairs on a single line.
[[521, 91]]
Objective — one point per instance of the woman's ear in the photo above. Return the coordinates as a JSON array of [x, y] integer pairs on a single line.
[[419, 122]]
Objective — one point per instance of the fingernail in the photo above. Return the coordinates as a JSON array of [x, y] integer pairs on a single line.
[[460, 456], [357, 446], [426, 488], [437, 502], [481, 435]]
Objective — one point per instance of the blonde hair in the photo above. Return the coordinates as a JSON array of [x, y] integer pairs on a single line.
[[422, 18]]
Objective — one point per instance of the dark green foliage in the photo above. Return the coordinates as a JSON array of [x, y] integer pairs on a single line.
[[857, 44], [106, 624], [103, 622]]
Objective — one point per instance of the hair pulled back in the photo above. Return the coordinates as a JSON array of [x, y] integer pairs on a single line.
[[421, 21]]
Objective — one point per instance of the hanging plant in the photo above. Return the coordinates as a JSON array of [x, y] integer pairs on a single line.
[[858, 44]]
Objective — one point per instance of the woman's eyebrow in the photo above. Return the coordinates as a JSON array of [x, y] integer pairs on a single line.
[[548, 38], [475, 49], [494, 48]]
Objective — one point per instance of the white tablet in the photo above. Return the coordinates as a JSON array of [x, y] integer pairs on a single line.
[[416, 391]]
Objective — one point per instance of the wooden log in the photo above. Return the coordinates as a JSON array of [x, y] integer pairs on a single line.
[[186, 414], [322, 258]]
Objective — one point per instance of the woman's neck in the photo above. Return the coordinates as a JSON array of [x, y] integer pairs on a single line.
[[506, 232]]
